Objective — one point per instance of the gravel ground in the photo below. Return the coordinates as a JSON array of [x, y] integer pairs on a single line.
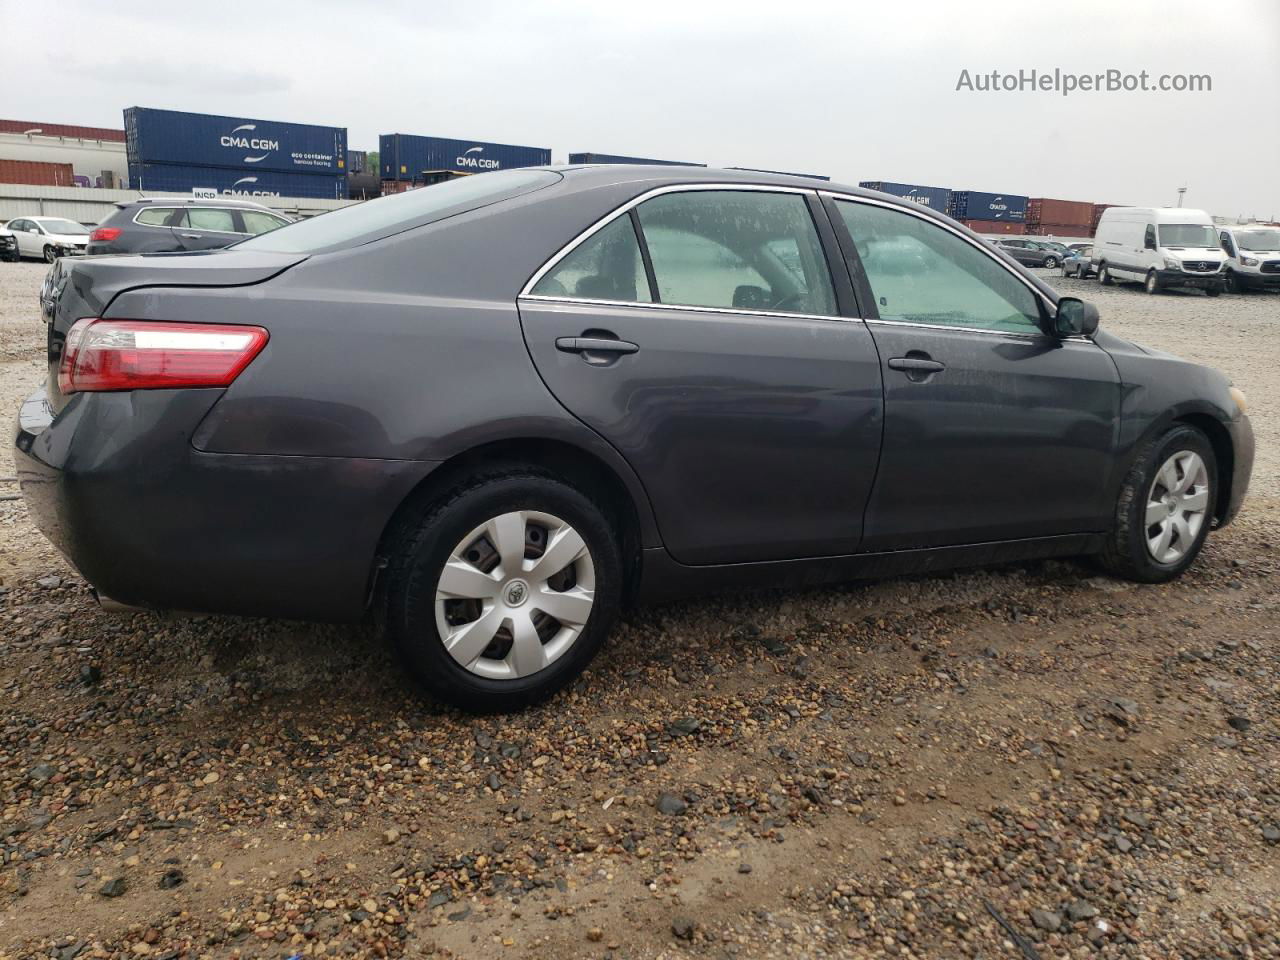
[[1020, 762]]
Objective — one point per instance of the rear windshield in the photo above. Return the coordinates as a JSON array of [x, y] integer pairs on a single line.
[[374, 219]]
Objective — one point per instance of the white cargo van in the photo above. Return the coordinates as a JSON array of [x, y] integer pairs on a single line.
[[1253, 256], [1164, 247]]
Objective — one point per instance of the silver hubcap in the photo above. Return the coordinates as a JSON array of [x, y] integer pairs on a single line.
[[515, 595], [1177, 505]]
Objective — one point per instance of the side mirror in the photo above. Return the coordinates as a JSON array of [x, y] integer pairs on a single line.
[[1075, 318]]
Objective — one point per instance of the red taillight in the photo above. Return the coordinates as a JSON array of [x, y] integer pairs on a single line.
[[104, 234], [139, 355]]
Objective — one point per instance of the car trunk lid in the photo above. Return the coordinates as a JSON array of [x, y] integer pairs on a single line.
[[74, 289]]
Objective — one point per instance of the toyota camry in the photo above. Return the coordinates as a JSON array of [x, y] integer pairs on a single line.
[[491, 413]]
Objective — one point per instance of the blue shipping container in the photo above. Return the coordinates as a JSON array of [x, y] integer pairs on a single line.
[[614, 158], [172, 178], [935, 198], [237, 143], [404, 156], [783, 173], [975, 205]]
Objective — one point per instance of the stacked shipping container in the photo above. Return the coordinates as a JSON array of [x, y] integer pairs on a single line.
[[37, 173], [935, 198], [987, 207], [1047, 217], [175, 151], [407, 158], [615, 158]]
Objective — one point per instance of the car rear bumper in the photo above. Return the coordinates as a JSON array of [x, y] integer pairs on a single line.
[[115, 484]]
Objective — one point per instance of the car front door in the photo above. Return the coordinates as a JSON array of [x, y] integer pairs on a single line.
[[699, 333], [993, 429]]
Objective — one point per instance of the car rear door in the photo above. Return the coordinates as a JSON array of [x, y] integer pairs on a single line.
[[207, 228], [699, 332], [994, 430]]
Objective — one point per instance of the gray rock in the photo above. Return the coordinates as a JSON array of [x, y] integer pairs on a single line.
[[49, 583], [1239, 723], [113, 887], [1123, 843], [494, 782], [682, 928], [1082, 910], [671, 805], [1047, 920], [744, 868], [42, 772], [172, 878], [685, 727], [439, 899], [1271, 834]]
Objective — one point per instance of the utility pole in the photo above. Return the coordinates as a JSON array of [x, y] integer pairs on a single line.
[[1181, 191]]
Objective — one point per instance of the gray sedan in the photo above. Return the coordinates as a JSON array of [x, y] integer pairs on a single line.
[[489, 414]]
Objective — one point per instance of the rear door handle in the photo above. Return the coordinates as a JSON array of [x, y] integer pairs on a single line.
[[916, 364], [595, 345]]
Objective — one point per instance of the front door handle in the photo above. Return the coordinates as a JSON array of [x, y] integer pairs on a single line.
[[919, 364], [594, 345]]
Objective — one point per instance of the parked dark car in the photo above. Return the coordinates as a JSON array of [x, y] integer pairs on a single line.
[[489, 413], [8, 246], [169, 224], [1031, 253], [1077, 262]]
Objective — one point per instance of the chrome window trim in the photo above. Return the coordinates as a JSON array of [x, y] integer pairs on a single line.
[[985, 248], [1037, 335], [735, 311], [624, 210]]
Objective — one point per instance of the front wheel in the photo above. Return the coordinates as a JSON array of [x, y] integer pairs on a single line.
[[1152, 284], [50, 254], [1214, 291], [1235, 284], [1165, 508], [502, 592], [1104, 275]]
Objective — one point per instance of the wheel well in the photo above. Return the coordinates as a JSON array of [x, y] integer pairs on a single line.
[[571, 464], [1223, 452]]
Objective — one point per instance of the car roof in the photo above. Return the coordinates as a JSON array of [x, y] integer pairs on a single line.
[[192, 202]]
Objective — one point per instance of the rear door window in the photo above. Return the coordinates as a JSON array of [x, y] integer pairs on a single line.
[[737, 249], [212, 219]]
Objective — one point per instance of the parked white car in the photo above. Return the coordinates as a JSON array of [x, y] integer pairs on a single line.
[[1164, 247], [48, 238], [1253, 256]]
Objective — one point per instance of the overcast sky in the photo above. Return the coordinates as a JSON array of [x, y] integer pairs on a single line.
[[854, 91]]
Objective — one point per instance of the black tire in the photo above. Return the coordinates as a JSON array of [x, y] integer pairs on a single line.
[[1152, 283], [1050, 262], [418, 557], [1235, 284], [1126, 554], [1214, 291], [1104, 275], [50, 255]]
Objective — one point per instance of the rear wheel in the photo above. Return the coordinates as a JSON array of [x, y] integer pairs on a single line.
[[1152, 284], [1165, 508], [1104, 275], [502, 592], [1050, 262]]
